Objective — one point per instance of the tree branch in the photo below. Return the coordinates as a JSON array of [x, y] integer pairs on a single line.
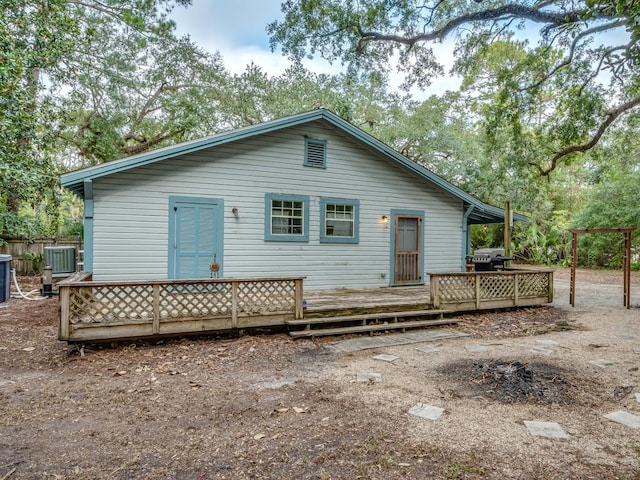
[[611, 117], [569, 58], [147, 144], [510, 10]]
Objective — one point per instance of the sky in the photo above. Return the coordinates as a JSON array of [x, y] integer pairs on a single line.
[[237, 29]]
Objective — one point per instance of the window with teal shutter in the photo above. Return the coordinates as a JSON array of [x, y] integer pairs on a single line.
[[315, 153]]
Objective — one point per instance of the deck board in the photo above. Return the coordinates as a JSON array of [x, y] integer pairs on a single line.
[[348, 298]]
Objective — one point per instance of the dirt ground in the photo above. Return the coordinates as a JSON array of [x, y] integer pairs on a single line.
[[267, 406]]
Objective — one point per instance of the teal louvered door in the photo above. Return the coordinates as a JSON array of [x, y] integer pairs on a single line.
[[196, 243]]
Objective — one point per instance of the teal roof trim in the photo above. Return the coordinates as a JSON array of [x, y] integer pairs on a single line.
[[483, 213]]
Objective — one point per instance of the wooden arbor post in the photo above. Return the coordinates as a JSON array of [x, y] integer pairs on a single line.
[[626, 263]]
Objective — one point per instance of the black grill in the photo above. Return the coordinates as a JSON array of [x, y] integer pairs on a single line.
[[488, 259]]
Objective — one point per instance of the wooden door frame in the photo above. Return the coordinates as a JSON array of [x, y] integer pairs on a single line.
[[406, 213]]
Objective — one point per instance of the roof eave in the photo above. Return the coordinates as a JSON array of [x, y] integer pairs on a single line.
[[74, 181]]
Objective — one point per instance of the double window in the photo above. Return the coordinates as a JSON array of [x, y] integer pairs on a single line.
[[287, 219]]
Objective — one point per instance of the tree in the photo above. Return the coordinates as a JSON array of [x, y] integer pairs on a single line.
[[612, 203], [572, 55], [39, 42], [33, 37], [129, 93]]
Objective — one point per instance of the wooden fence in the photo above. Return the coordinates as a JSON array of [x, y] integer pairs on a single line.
[[91, 311], [28, 256], [487, 290]]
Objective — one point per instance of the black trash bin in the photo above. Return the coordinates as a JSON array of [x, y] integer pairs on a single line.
[[5, 278]]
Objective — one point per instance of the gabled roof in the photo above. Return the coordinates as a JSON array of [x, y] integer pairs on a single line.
[[481, 213]]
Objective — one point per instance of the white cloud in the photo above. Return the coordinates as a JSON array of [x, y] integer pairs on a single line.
[[236, 29]]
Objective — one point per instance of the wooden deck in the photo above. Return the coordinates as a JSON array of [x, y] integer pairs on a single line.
[[98, 311], [349, 299]]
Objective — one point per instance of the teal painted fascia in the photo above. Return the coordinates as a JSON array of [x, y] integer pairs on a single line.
[[392, 242], [466, 235], [88, 226]]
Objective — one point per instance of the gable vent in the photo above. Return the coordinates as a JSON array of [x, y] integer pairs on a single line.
[[315, 154]]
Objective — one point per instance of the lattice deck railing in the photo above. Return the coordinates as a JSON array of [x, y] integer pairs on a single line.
[[482, 290], [111, 310]]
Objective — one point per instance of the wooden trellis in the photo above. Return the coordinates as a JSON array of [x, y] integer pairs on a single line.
[[486, 290], [111, 310], [626, 263]]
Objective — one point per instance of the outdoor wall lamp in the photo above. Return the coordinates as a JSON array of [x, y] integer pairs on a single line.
[[234, 210], [384, 219]]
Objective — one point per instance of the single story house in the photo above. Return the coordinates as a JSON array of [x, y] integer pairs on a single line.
[[307, 195]]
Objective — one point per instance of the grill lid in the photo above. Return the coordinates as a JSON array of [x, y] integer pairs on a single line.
[[487, 255]]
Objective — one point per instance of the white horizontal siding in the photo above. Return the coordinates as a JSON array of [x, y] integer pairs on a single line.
[[131, 211]]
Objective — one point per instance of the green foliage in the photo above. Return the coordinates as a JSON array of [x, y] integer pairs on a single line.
[[546, 244], [37, 261], [71, 228], [613, 203], [46, 50], [34, 36], [143, 88], [543, 104]]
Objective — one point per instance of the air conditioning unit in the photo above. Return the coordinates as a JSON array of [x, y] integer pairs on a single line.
[[60, 259]]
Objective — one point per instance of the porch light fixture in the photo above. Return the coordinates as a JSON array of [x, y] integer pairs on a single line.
[[384, 219], [234, 210]]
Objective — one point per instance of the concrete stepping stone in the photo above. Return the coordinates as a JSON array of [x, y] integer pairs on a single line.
[[426, 411], [602, 363], [368, 377], [545, 429], [428, 349], [475, 347], [418, 336], [541, 351], [638, 397], [547, 342], [386, 358], [624, 418]]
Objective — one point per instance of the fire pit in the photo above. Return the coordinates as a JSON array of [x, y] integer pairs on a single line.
[[513, 381]]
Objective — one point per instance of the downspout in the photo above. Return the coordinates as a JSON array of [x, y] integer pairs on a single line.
[[88, 226], [466, 236]]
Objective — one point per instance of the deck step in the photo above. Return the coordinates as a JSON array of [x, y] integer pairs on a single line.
[[368, 316], [369, 328]]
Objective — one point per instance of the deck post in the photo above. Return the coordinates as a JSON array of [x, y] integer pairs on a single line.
[[234, 303], [65, 321], [435, 291], [299, 299], [477, 290], [626, 300], [574, 262], [516, 291], [156, 310]]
